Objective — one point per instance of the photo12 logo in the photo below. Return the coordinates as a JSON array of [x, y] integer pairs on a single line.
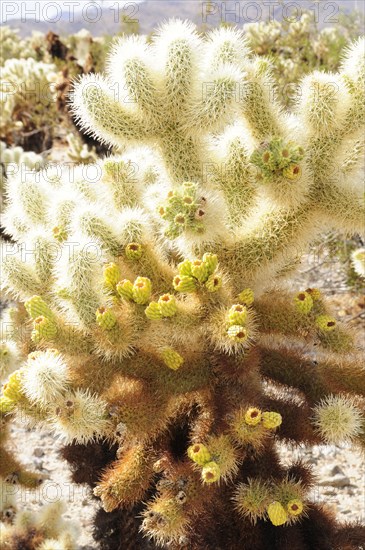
[[252, 12], [68, 11]]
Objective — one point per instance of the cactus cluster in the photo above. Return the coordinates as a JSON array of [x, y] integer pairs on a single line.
[[151, 330], [26, 91], [12, 46], [295, 47]]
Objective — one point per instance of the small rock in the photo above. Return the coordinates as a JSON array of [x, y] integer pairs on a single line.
[[38, 452], [38, 464], [337, 480], [336, 470]]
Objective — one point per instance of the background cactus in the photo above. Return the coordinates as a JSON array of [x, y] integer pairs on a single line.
[[26, 95], [297, 47], [153, 329]]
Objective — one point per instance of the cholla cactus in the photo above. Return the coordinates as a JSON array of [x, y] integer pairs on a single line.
[[79, 152], [15, 160], [14, 47], [150, 314], [297, 47], [26, 91], [80, 44], [10, 44]]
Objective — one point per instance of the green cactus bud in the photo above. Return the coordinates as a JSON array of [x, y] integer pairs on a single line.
[[105, 318], [277, 157], [167, 305], [125, 289], [184, 268], [199, 454], [303, 302], [211, 262], [6, 405], [153, 312], [200, 271], [142, 289], [237, 315], [44, 328], [315, 293], [36, 307], [12, 390], [326, 323], [277, 513], [172, 359], [111, 273], [133, 251], [271, 420], [246, 296], [214, 283], [184, 284]]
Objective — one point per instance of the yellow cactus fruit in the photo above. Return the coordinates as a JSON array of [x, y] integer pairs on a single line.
[[271, 420], [326, 323], [199, 270], [6, 405], [237, 333], [246, 296], [295, 507], [111, 273], [13, 388], [133, 251], [43, 328], [292, 172], [303, 302], [183, 283], [214, 283], [211, 262], [199, 454], [237, 315], [37, 307], [184, 268], [105, 318], [167, 305], [142, 289], [153, 312], [125, 289], [253, 416], [315, 293], [172, 359], [211, 472], [277, 513]]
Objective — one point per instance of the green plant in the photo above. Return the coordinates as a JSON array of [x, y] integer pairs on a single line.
[[157, 342]]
